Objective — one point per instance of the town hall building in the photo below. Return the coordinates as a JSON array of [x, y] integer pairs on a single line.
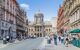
[[38, 27]]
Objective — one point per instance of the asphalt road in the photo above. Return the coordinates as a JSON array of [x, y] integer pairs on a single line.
[[29, 44]]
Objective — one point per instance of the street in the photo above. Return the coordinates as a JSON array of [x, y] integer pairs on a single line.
[[29, 44], [38, 44], [39, 24]]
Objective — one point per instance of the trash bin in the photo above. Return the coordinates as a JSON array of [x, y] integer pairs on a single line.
[[4, 41]]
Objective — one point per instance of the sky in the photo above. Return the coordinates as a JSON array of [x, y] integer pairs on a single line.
[[48, 7]]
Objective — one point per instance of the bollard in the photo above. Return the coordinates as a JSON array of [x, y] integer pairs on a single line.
[[4, 41]]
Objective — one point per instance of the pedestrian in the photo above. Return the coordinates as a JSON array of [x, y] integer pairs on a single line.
[[49, 40], [7, 38], [66, 41], [59, 38], [55, 39], [62, 39]]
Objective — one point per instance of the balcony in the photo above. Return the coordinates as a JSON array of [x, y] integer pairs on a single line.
[[20, 28]]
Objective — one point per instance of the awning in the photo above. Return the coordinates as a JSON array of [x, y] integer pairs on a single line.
[[75, 31]]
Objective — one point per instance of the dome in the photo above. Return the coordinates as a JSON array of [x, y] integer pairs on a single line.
[[39, 14]]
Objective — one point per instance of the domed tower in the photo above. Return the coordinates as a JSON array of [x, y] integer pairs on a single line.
[[38, 18], [39, 24]]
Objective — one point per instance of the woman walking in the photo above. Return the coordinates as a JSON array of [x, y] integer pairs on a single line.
[[66, 41], [62, 39]]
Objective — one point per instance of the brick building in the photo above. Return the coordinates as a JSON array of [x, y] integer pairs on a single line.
[[60, 20]]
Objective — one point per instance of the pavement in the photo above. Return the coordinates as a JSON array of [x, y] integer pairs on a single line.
[[1, 44], [37, 44], [29, 44], [59, 47], [4, 45]]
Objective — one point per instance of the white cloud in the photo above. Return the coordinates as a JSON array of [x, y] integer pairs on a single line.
[[25, 6]]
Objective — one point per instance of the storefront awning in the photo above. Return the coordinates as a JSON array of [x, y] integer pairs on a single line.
[[75, 31]]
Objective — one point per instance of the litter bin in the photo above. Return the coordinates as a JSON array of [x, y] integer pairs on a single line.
[[4, 41]]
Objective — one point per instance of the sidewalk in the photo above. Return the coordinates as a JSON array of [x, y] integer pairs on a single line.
[[4, 45], [42, 45], [60, 47]]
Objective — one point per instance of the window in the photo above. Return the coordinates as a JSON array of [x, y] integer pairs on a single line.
[[2, 24], [0, 1], [78, 14], [46, 29], [49, 30], [6, 25], [38, 29], [3, 0], [31, 29]]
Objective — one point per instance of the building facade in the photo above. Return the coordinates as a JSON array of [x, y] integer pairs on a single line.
[[54, 25], [13, 19], [71, 14], [60, 20], [38, 27], [21, 23], [7, 18]]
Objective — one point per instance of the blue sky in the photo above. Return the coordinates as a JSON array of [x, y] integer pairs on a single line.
[[48, 7]]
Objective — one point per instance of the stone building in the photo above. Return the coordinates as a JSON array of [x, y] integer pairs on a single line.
[[71, 14], [21, 23], [39, 27], [7, 18], [54, 25], [13, 19]]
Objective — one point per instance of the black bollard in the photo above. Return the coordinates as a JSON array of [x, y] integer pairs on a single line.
[[4, 41]]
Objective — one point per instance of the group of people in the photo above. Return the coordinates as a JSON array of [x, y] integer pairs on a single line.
[[62, 39]]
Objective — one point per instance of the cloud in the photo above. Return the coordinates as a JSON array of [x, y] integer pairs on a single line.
[[25, 6]]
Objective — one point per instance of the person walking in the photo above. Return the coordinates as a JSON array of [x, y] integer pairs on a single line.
[[49, 40], [62, 39], [59, 38], [66, 41], [55, 39], [7, 38]]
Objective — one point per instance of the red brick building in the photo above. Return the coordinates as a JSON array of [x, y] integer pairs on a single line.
[[60, 20]]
